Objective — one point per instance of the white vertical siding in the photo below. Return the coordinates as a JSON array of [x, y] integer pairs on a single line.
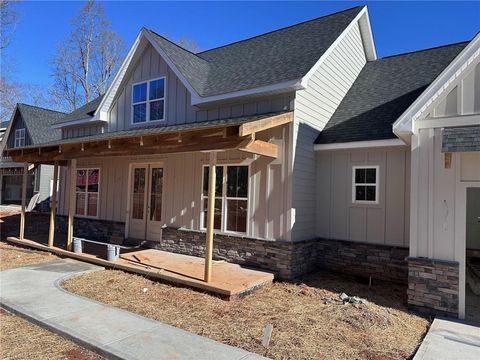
[[313, 108], [338, 218]]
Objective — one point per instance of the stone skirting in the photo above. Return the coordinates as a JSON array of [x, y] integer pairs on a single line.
[[94, 229], [362, 259], [433, 286]]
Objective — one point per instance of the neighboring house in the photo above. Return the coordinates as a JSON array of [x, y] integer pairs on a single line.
[[309, 170], [29, 126]]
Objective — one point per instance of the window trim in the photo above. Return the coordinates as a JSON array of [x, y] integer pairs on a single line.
[[376, 184], [224, 198], [19, 138], [147, 102], [86, 193]]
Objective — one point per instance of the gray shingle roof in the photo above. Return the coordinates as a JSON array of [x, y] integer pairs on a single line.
[[39, 121], [384, 89], [84, 112], [152, 130], [275, 57], [457, 139]]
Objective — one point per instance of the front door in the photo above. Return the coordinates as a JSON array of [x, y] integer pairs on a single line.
[[146, 194]]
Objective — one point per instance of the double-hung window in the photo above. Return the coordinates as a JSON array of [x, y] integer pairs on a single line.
[[19, 138], [87, 190], [365, 184], [231, 198], [148, 101]]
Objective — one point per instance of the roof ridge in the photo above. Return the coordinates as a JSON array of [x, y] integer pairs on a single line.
[[40, 107], [174, 43], [279, 29], [422, 50]]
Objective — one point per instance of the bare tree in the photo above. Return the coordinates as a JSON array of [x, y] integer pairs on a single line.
[[189, 44], [8, 22], [88, 58]]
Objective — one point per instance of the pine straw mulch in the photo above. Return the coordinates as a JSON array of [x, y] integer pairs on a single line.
[[14, 256], [20, 339], [308, 321]]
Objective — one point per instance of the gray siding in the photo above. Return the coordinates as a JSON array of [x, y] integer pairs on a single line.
[[80, 131], [313, 108], [183, 183], [18, 123], [178, 109], [46, 177], [338, 218]]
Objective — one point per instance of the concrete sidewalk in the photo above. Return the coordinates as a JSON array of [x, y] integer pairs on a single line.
[[450, 339], [34, 293]]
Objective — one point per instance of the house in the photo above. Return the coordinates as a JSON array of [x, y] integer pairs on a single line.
[[29, 125], [323, 155]]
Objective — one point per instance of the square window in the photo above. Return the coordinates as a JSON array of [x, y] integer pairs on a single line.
[[360, 176], [364, 184], [139, 93], [370, 176], [237, 215], [237, 181]]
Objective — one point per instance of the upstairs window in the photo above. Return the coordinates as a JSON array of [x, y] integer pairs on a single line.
[[148, 101], [19, 138], [365, 184]]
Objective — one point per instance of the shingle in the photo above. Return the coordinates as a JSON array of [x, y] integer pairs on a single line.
[[39, 121], [384, 89], [84, 112], [457, 139]]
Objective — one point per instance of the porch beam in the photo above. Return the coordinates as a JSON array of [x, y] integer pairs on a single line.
[[210, 216], [261, 148], [24, 200], [71, 203], [449, 121], [265, 124], [53, 206]]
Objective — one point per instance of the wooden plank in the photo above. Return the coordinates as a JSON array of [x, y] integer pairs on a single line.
[[210, 216], [71, 204], [264, 124], [24, 200], [53, 206], [261, 148]]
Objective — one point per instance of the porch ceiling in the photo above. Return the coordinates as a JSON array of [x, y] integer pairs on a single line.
[[234, 133]]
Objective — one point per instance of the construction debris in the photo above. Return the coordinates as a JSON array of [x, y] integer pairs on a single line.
[[352, 299]]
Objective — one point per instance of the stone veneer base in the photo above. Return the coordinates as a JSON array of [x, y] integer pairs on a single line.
[[433, 286], [288, 260]]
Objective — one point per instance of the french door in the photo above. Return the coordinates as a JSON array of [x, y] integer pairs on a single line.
[[146, 195]]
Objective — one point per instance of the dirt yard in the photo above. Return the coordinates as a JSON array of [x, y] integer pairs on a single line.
[[308, 320], [20, 339]]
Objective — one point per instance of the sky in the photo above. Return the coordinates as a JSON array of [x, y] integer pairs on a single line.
[[397, 26]]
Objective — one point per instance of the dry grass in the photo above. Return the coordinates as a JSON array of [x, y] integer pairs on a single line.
[[308, 321], [20, 339], [13, 256]]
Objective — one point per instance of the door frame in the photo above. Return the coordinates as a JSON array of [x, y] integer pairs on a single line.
[[148, 165]]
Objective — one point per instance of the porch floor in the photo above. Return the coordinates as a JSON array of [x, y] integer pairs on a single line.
[[229, 281]]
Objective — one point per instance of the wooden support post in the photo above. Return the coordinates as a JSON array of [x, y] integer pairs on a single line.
[[71, 203], [53, 206], [24, 200], [210, 216]]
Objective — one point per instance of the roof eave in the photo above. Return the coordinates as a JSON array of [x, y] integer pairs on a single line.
[[79, 122]]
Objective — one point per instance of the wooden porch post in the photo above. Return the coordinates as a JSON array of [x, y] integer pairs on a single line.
[[24, 200], [210, 216], [53, 206], [71, 203]]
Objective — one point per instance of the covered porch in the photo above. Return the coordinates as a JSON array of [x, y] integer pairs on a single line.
[[245, 135]]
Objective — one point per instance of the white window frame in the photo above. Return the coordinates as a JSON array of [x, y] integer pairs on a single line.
[[148, 101], [224, 198], [376, 184], [19, 139], [86, 193]]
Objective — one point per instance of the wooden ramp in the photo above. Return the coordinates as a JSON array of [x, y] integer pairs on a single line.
[[229, 281]]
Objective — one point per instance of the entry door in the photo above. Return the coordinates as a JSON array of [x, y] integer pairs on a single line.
[[473, 218], [146, 202]]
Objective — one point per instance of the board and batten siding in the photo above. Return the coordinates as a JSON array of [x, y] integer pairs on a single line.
[[81, 131], [18, 124], [178, 108], [314, 107], [337, 217], [183, 186]]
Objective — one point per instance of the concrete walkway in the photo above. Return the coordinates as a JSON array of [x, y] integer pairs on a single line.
[[449, 339], [34, 293]]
